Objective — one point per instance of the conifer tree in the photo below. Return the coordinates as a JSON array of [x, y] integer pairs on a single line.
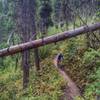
[[25, 22], [45, 15]]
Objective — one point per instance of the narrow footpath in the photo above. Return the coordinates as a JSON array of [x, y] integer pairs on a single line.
[[71, 90]]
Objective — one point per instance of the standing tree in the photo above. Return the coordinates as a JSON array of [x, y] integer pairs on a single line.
[[66, 13], [45, 15], [5, 6], [25, 21], [62, 12], [57, 12]]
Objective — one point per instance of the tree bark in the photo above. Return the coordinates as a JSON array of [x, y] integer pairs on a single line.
[[25, 13], [48, 40], [25, 63], [37, 59]]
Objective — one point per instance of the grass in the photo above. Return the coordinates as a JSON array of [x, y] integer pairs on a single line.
[[46, 85]]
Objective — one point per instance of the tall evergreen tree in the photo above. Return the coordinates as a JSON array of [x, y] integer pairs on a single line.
[[62, 12], [57, 12], [45, 15], [25, 21]]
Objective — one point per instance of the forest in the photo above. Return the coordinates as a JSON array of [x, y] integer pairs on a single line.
[[49, 49]]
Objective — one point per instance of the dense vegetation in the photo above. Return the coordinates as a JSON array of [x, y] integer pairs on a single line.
[[26, 20]]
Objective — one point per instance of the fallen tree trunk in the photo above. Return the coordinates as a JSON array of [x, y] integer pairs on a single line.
[[47, 40]]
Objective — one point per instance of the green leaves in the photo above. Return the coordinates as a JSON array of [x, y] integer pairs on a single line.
[[91, 55]]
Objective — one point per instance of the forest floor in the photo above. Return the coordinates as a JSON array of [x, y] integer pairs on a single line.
[[79, 64]]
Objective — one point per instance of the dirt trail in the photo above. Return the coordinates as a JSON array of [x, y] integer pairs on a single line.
[[71, 90]]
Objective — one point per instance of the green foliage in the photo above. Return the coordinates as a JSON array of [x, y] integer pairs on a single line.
[[44, 86], [6, 21], [3, 45], [93, 87], [72, 47], [91, 55], [8, 83], [45, 13], [82, 66], [44, 51]]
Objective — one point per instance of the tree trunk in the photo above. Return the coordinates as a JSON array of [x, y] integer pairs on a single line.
[[25, 63], [48, 40], [37, 60], [36, 57], [25, 20]]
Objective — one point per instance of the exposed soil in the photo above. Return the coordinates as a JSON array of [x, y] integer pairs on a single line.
[[71, 90]]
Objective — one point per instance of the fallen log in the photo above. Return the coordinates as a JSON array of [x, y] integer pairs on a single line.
[[48, 40]]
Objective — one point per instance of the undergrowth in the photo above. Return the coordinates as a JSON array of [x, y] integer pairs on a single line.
[[44, 86], [83, 66], [81, 63]]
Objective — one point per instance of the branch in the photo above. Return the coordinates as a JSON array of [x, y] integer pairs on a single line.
[[10, 36]]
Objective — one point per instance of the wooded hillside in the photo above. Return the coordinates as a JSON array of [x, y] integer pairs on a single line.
[[49, 49]]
